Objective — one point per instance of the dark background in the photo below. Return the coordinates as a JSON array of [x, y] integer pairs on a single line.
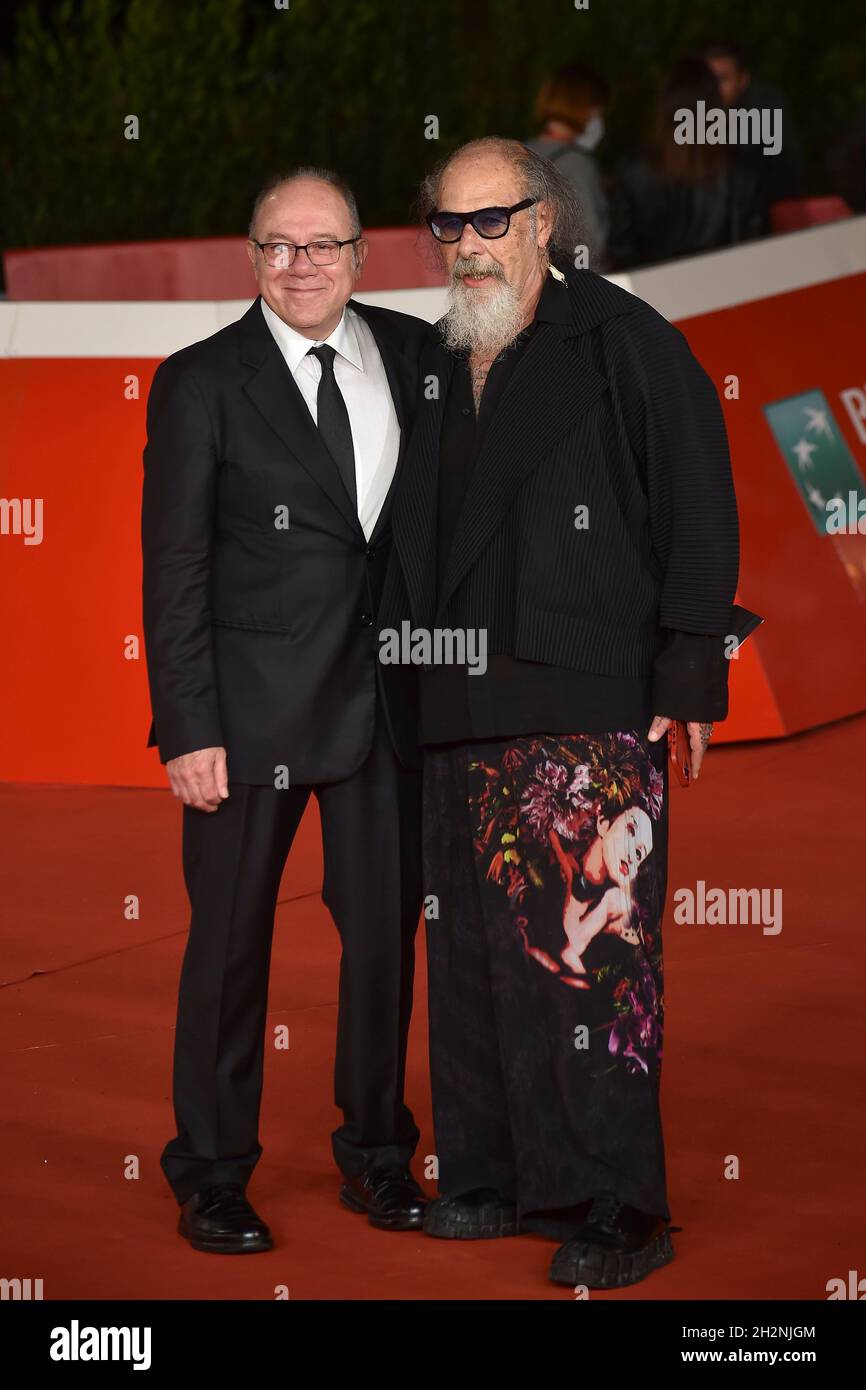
[[229, 91]]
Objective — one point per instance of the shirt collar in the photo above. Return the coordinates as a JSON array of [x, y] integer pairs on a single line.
[[294, 346]]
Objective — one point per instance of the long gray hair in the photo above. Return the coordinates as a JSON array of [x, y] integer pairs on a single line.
[[539, 179]]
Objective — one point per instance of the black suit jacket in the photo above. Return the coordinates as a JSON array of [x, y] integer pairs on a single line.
[[611, 410], [261, 636]]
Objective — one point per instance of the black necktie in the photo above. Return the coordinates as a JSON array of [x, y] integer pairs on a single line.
[[332, 418]]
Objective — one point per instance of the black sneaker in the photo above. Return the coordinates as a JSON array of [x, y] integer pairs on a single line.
[[616, 1245], [481, 1214]]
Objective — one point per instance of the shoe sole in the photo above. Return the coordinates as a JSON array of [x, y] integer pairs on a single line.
[[598, 1268], [485, 1223], [382, 1223], [217, 1247]]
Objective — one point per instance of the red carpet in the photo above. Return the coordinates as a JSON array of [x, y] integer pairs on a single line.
[[764, 1056]]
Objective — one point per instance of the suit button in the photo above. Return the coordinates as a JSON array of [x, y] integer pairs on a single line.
[[366, 619], [371, 553]]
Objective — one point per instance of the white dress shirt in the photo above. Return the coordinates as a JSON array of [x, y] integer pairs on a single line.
[[361, 377]]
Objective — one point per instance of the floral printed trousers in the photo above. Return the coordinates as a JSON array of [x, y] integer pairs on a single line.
[[545, 871]]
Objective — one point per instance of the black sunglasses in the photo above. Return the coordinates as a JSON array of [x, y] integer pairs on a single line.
[[487, 222]]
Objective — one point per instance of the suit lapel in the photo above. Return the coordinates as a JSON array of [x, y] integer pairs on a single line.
[[390, 353], [275, 394], [549, 389], [400, 388]]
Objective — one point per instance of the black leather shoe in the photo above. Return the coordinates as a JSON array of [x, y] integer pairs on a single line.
[[478, 1215], [391, 1198], [219, 1219], [616, 1245]]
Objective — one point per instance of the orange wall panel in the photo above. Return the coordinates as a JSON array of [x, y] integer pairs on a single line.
[[74, 709]]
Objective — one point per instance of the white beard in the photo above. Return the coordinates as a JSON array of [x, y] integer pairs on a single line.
[[481, 321]]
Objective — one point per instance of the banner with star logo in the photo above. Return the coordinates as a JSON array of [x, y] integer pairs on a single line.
[[820, 463]]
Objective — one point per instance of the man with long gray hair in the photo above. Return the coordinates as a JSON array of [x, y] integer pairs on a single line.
[[568, 492]]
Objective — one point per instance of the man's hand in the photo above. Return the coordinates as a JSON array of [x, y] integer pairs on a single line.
[[660, 725], [200, 779]]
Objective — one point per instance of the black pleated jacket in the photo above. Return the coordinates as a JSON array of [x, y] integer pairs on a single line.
[[611, 411]]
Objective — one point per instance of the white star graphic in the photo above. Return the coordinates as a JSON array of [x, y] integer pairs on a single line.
[[815, 497], [818, 421], [803, 449]]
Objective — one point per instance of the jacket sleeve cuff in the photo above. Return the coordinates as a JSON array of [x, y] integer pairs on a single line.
[[690, 678], [178, 736]]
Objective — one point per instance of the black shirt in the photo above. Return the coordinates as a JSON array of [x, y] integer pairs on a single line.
[[516, 696]]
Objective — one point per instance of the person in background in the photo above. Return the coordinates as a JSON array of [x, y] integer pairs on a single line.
[[781, 175], [673, 199], [570, 112]]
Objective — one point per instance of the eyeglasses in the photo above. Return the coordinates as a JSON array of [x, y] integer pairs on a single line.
[[281, 254], [487, 222]]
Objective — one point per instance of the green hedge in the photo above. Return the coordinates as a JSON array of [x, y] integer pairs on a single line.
[[227, 92]]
